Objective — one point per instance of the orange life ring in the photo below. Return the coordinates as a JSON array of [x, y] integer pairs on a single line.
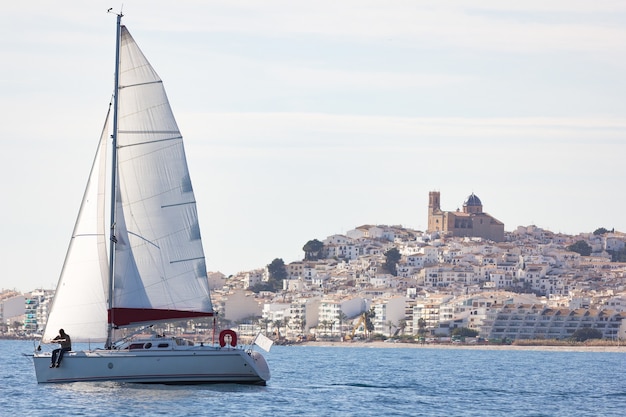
[[233, 337]]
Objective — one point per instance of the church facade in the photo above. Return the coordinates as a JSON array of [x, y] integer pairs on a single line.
[[471, 222]]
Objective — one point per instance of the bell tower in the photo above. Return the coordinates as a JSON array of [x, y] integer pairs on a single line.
[[434, 202], [435, 216]]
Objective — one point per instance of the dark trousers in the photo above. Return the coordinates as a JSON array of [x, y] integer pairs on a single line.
[[59, 352]]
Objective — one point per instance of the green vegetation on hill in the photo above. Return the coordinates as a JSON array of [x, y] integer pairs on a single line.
[[313, 250], [392, 257], [277, 273], [581, 247]]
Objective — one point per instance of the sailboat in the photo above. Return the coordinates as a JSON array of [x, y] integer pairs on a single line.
[[135, 258]]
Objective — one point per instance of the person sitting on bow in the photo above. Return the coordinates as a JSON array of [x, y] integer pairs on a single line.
[[66, 345]]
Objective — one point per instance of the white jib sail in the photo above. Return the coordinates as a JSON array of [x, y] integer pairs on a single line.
[[79, 305]]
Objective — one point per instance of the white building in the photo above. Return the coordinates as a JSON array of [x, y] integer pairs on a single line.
[[428, 309], [388, 315], [11, 308], [332, 309], [238, 305]]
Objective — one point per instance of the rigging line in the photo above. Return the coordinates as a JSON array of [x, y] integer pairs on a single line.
[[150, 141], [140, 84], [140, 132], [178, 204], [187, 260], [143, 238]]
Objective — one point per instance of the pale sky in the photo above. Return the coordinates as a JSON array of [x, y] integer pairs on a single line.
[[304, 119]]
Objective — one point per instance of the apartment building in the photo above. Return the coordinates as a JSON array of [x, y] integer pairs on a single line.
[[536, 321], [388, 315]]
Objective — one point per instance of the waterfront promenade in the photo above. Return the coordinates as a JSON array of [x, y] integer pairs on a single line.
[[559, 348]]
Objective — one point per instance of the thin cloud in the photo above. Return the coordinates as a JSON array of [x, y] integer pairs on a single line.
[[341, 79], [486, 25], [293, 128]]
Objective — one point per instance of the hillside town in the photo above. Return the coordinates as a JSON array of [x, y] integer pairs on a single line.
[[464, 272]]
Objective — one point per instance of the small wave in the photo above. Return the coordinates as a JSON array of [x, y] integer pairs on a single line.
[[377, 386]]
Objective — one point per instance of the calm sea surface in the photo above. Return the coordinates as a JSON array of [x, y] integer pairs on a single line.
[[321, 381]]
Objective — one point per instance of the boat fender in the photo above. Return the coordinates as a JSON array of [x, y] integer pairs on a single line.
[[233, 337]]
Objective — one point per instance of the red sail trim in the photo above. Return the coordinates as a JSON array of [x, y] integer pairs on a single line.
[[126, 316]]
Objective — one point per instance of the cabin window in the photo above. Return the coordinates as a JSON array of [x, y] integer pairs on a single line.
[[163, 345]]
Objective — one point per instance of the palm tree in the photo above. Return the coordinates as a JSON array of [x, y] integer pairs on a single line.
[[277, 324], [16, 325], [286, 324], [265, 322], [342, 318], [402, 325], [421, 327], [330, 325], [390, 325], [369, 325], [324, 325]]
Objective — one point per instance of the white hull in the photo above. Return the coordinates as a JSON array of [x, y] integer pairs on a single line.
[[145, 264], [176, 365]]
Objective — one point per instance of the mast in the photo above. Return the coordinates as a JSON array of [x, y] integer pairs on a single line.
[[113, 239]]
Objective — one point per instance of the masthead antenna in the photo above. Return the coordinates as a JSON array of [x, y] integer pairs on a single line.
[[120, 14]]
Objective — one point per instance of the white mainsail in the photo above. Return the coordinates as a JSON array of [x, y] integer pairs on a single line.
[[79, 304], [160, 271]]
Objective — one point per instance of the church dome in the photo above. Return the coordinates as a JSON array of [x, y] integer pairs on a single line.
[[473, 201]]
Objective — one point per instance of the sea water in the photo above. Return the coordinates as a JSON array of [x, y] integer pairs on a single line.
[[348, 381]]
